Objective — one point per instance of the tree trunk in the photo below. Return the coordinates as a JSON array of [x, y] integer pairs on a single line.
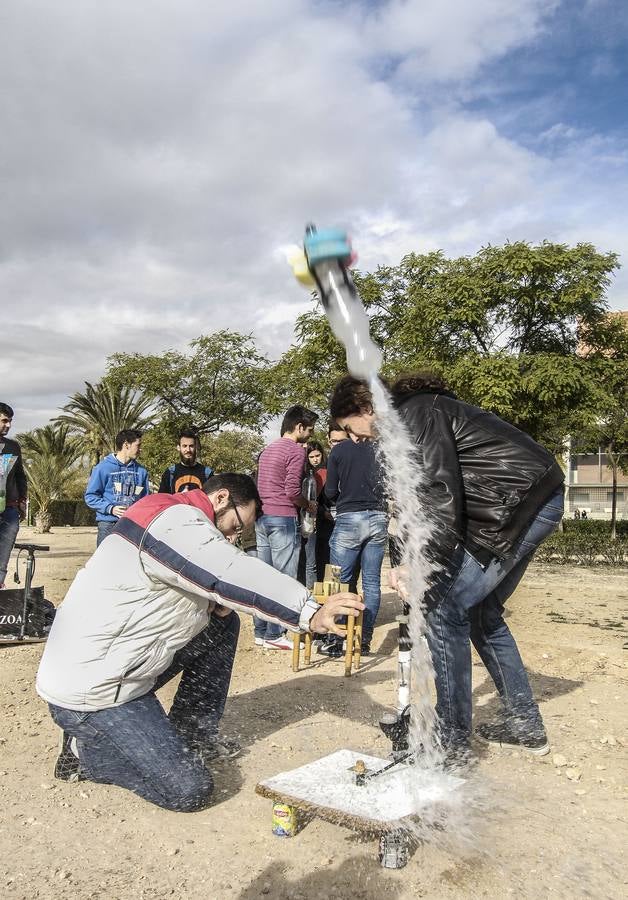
[[43, 520], [614, 466]]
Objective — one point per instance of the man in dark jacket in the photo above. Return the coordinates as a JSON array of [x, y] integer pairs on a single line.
[[495, 495], [13, 490]]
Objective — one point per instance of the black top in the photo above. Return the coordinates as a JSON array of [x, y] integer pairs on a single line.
[[179, 478], [17, 487], [484, 479], [355, 479]]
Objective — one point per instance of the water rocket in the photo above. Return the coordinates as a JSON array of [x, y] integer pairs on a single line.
[[324, 264]]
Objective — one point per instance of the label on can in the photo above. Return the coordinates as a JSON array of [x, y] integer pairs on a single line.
[[284, 820], [393, 850]]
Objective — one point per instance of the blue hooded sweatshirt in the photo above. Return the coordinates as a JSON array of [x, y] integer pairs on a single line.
[[114, 484]]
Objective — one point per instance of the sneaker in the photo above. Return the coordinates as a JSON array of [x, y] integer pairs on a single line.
[[259, 642], [67, 766], [502, 735], [331, 646], [365, 648], [280, 643]]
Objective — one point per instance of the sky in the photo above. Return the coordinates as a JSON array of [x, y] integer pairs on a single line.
[[156, 158]]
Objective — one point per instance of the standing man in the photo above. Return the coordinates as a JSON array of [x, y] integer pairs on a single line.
[[280, 475], [355, 484], [187, 474], [16, 489], [495, 495], [117, 482]]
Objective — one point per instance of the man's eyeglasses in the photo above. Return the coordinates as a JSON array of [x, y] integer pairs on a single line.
[[239, 527]]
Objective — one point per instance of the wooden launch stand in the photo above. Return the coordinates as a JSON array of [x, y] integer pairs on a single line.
[[322, 591]]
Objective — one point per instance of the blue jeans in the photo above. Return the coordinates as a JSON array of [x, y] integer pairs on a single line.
[[310, 561], [138, 747], [9, 527], [469, 603], [104, 529], [361, 535], [278, 544]]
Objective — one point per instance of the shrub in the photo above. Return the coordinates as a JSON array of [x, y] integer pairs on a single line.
[[583, 549]]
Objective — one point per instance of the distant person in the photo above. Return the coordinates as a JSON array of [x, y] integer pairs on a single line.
[[495, 495], [584, 514], [117, 482], [187, 474], [280, 474], [576, 513], [355, 483], [336, 435], [316, 546], [13, 503]]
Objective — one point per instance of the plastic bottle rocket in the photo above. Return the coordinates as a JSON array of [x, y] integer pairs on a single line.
[[308, 519]]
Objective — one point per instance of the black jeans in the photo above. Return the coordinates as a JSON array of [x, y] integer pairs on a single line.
[[138, 747]]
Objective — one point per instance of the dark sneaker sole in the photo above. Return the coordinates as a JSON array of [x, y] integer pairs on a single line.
[[541, 750]]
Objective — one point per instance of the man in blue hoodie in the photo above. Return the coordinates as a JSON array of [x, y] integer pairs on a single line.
[[117, 482]]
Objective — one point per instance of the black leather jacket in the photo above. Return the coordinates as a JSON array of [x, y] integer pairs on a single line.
[[485, 479]]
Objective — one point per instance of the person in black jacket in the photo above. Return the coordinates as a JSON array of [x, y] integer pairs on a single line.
[[15, 491], [495, 495]]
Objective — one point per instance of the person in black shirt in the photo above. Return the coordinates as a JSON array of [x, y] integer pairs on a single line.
[[355, 484], [13, 490], [187, 474]]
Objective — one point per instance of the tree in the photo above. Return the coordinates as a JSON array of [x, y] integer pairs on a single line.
[[50, 454], [100, 412], [220, 383], [232, 451], [503, 327], [607, 425]]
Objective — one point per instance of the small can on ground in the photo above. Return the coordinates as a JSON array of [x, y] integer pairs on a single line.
[[393, 849], [285, 822]]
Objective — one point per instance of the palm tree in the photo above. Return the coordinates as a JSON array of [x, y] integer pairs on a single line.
[[97, 415], [50, 454]]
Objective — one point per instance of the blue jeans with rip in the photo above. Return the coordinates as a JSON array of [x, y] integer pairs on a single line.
[[362, 535], [138, 747], [468, 603], [9, 527], [278, 544]]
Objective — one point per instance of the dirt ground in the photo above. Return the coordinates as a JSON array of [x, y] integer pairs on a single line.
[[556, 827]]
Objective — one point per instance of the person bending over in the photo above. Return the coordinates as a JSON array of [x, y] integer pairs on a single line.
[[495, 495]]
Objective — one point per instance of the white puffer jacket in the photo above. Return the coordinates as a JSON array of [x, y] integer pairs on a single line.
[[144, 594]]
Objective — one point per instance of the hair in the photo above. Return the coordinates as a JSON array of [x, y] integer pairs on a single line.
[[127, 436], [315, 447], [424, 380], [332, 425], [351, 397], [242, 489], [6, 410], [188, 433], [298, 415]]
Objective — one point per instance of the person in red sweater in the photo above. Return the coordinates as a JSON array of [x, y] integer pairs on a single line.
[[280, 475]]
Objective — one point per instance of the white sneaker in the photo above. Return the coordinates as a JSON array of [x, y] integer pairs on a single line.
[[259, 642], [280, 643]]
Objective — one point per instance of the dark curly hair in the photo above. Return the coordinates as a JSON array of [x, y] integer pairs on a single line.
[[351, 397], [423, 380]]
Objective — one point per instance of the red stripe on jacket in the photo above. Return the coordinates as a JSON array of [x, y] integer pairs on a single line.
[[148, 508]]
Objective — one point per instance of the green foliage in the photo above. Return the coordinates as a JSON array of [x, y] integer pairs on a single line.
[[232, 451], [584, 547], [220, 382], [99, 413], [50, 455], [503, 327]]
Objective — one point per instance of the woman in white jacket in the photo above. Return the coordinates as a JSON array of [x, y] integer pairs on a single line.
[[159, 597]]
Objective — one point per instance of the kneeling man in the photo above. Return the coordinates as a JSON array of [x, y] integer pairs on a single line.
[[158, 598]]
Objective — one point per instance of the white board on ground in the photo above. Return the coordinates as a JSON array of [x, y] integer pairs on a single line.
[[401, 792]]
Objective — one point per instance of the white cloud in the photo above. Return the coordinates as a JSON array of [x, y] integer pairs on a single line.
[[155, 155]]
